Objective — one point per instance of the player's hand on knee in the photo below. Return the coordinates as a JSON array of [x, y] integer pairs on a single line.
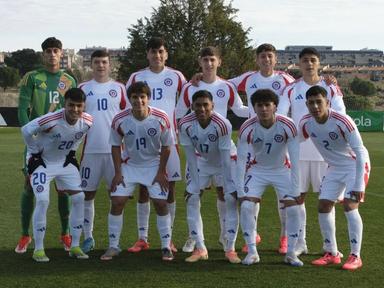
[[162, 179], [35, 161], [116, 181], [71, 159]]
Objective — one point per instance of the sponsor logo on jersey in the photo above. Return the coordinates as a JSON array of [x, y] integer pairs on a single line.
[[276, 85], [61, 85], [56, 136], [130, 132], [333, 135], [279, 138], [78, 135], [254, 86], [299, 97], [220, 93], [256, 141], [84, 183], [195, 138], [90, 93], [40, 188], [112, 93], [43, 85], [212, 137], [313, 135], [168, 82], [152, 132], [175, 175], [162, 193]]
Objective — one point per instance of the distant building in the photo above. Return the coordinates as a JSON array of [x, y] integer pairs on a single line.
[[114, 55], [364, 57], [2, 56], [68, 59]]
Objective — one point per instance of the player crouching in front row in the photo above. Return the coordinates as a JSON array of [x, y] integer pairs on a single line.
[[147, 137], [51, 142], [270, 136]]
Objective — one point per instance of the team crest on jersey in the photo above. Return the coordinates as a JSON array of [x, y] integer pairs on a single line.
[[112, 93], [212, 137], [220, 93], [168, 82], [84, 183], [278, 138], [152, 132], [333, 135], [61, 85], [78, 135], [40, 188], [276, 85]]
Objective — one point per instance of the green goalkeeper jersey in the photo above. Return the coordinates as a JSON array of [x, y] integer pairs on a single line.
[[42, 92]]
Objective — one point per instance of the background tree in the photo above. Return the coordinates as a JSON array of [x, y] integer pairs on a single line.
[[187, 26], [362, 87], [9, 77], [24, 60]]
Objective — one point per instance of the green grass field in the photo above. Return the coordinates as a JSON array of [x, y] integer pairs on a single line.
[[147, 269]]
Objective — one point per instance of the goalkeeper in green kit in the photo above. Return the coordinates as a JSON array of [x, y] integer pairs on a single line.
[[42, 91]]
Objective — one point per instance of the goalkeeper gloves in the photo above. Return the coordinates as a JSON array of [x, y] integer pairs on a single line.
[[71, 159], [35, 161]]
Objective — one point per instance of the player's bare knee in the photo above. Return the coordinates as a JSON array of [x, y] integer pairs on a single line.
[[89, 195], [143, 194], [171, 192], [325, 206], [161, 206], [220, 193], [117, 205], [350, 204]]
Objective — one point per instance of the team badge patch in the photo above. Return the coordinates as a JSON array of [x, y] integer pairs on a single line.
[[168, 82], [279, 138], [212, 137], [112, 93], [40, 188], [84, 183], [276, 85], [220, 93], [152, 132], [78, 135], [333, 135], [61, 85]]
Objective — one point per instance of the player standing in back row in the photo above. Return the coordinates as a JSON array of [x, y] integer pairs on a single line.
[[165, 84]]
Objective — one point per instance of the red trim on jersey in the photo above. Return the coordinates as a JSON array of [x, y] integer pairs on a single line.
[[82, 150], [49, 129], [290, 94], [305, 133], [50, 118], [119, 116], [288, 123], [341, 131], [160, 114], [123, 102], [186, 96], [242, 86], [220, 123], [247, 123], [343, 119], [366, 174], [249, 136], [231, 99], [189, 118]]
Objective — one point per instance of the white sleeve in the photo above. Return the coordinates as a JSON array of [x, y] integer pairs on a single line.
[[193, 186], [229, 185], [115, 139], [29, 131], [284, 103], [337, 102], [166, 137], [183, 104], [294, 151], [238, 107], [183, 137]]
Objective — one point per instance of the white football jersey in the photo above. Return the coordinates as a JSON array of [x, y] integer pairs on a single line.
[[142, 139], [250, 82], [294, 98], [103, 102], [165, 89], [52, 135], [224, 97], [339, 142]]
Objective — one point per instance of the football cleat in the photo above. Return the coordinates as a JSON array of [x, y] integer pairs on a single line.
[[189, 245], [139, 246], [167, 254], [39, 256], [88, 245], [232, 257], [22, 246], [354, 262], [76, 252], [245, 247], [66, 240], [301, 249], [251, 259], [327, 259], [197, 254], [283, 245], [293, 260], [110, 253]]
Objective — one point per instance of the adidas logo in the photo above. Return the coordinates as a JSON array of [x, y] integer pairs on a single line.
[[299, 97], [176, 175], [162, 193], [327, 241], [141, 229], [313, 135], [193, 232], [90, 94], [254, 86], [42, 229], [354, 241], [231, 231], [130, 132], [258, 140], [166, 236], [78, 227], [112, 236], [195, 138]]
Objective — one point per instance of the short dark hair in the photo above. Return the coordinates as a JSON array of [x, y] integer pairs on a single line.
[[309, 51], [51, 42], [202, 94], [266, 47], [156, 43], [75, 94], [210, 51], [139, 87], [316, 90], [264, 95], [99, 53]]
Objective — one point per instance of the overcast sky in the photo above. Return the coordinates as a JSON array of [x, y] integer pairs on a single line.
[[343, 24]]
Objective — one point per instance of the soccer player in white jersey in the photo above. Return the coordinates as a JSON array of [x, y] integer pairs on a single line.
[[52, 140], [312, 166], [338, 140], [209, 134], [224, 97], [165, 84], [104, 99], [147, 136]]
